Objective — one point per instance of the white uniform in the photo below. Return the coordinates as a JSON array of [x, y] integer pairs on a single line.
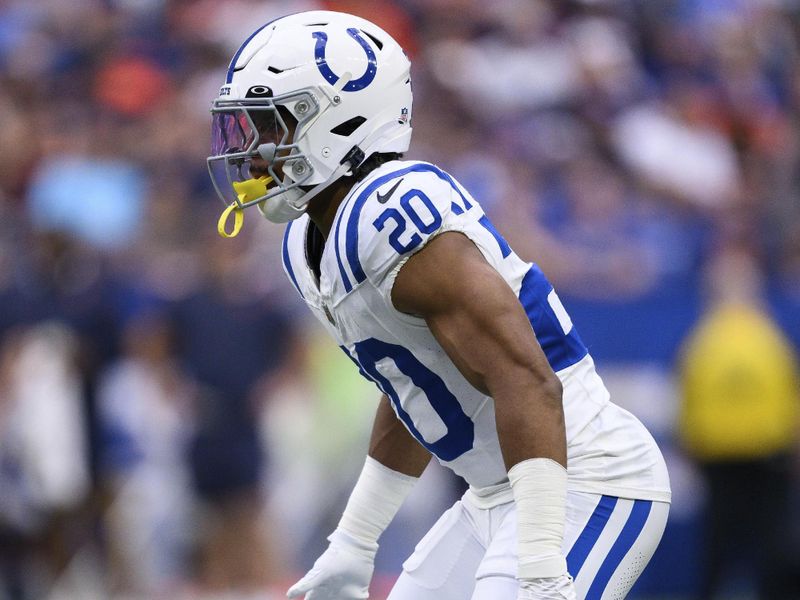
[[385, 219]]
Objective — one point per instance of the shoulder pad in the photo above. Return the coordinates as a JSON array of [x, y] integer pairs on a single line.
[[391, 215]]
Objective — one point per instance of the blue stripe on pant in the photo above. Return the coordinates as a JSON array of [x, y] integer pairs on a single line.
[[591, 533]]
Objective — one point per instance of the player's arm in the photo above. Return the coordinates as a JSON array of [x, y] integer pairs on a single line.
[[393, 465], [480, 323], [393, 446], [392, 468]]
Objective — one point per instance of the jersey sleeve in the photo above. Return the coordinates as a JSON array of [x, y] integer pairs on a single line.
[[392, 218], [397, 213]]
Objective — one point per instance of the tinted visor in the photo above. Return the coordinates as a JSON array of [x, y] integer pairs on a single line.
[[236, 133], [243, 129]]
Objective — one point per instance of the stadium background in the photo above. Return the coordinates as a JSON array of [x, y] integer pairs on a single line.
[[171, 423]]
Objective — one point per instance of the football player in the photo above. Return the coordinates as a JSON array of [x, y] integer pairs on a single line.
[[477, 360]]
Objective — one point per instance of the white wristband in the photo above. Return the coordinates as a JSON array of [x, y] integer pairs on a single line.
[[374, 501], [540, 494]]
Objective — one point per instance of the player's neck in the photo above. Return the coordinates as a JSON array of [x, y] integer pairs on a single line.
[[322, 209]]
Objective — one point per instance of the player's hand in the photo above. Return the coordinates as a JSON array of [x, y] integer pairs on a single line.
[[547, 588], [343, 572]]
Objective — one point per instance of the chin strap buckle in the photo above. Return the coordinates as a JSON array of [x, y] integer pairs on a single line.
[[355, 157]]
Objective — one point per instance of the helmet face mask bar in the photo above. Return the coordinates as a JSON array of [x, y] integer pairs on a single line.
[[244, 130]]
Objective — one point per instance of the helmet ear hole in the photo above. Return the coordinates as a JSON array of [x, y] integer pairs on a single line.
[[348, 127]]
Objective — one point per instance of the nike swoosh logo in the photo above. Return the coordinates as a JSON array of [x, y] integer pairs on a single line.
[[384, 198]]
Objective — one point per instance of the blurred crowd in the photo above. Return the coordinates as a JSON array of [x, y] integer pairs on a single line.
[[171, 424]]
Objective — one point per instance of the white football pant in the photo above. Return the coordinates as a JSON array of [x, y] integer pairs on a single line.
[[471, 553]]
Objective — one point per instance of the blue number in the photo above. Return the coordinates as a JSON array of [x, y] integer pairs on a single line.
[[460, 434], [405, 202], [400, 221], [394, 237]]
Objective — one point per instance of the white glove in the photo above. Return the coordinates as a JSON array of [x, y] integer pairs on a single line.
[[343, 572], [547, 588]]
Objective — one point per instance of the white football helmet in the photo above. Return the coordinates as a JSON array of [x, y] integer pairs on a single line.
[[343, 80]]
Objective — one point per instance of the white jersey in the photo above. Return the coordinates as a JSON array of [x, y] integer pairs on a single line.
[[385, 219]]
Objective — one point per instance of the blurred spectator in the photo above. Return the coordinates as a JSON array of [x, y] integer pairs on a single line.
[[688, 161], [44, 458], [740, 421], [315, 422], [96, 199], [229, 339], [144, 408], [525, 68], [131, 85]]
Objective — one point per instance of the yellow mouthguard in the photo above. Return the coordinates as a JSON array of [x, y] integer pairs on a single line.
[[250, 189], [246, 191]]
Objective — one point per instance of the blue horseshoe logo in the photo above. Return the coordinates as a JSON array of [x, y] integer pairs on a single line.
[[330, 76]]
